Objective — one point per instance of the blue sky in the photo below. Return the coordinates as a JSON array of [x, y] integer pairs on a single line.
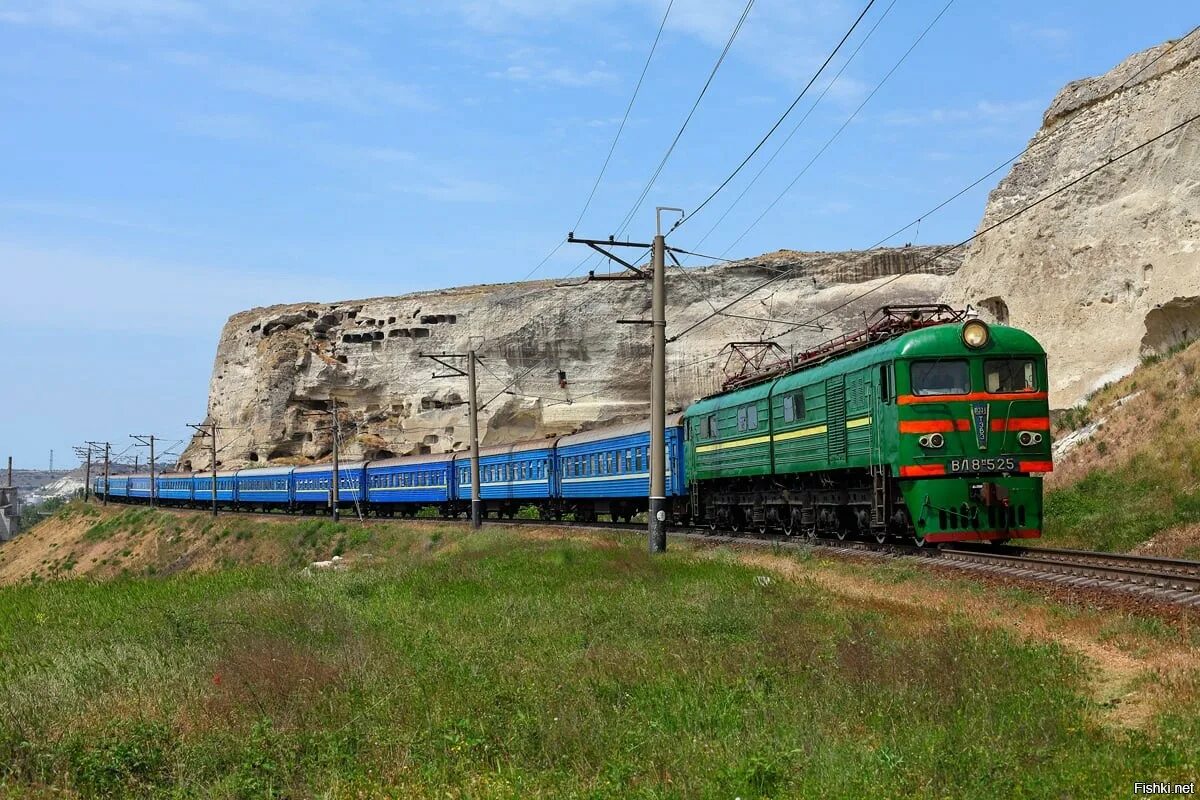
[[167, 163]]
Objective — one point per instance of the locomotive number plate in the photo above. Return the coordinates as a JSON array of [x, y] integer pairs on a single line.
[[1006, 464]]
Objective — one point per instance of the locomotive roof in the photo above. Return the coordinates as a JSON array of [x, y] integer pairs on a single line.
[[935, 341]]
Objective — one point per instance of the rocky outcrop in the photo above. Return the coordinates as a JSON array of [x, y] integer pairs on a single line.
[[1109, 270], [280, 370]]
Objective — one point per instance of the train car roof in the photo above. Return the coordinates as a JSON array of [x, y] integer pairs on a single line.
[[404, 461], [266, 471], [327, 466], [615, 431], [221, 473]]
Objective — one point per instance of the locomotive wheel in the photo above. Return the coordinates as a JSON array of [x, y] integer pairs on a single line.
[[735, 520], [919, 540], [789, 524], [712, 523], [841, 533], [881, 536]]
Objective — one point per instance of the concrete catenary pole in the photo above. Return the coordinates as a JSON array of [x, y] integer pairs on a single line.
[[657, 518], [473, 400], [10, 483], [87, 480], [107, 448], [213, 431], [334, 489], [152, 470]]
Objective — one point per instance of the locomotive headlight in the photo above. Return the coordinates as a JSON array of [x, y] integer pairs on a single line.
[[936, 440], [975, 334], [1027, 438]]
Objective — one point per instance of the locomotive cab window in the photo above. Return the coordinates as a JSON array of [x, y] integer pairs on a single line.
[[747, 418], [941, 377], [1010, 375]]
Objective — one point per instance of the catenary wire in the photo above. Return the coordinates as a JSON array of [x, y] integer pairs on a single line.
[[754, 151], [704, 90]]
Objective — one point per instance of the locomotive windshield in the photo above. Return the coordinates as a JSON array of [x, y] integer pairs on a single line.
[[941, 377], [1010, 375]]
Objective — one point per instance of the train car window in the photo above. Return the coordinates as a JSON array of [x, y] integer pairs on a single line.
[[1010, 375], [793, 407], [752, 417], [941, 377], [612, 463]]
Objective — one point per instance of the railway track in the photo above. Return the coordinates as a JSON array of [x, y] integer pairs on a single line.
[[1174, 581]]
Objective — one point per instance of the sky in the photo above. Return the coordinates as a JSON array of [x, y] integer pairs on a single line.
[[167, 163]]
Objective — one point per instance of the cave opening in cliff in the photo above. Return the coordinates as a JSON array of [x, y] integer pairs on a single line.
[[996, 308]]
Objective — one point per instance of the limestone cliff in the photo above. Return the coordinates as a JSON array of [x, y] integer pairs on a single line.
[[1109, 270], [278, 368]]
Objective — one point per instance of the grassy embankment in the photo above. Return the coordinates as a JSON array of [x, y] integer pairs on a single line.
[[525, 663], [1138, 477]]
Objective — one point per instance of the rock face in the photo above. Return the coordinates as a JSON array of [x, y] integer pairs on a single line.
[[1109, 270], [279, 370]]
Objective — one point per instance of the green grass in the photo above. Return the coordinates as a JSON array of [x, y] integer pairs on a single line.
[[1117, 509], [491, 667]]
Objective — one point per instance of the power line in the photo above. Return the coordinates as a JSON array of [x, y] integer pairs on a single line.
[[628, 108], [843, 127], [795, 128], [612, 148], [779, 121], [1104, 165], [704, 90]]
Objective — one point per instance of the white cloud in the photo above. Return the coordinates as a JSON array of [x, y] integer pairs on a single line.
[[453, 189], [534, 65], [111, 293], [352, 91], [982, 112], [103, 16], [224, 127]]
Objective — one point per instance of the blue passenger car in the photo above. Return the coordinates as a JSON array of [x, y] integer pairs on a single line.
[[312, 484], [202, 487], [409, 482], [268, 486], [510, 475], [118, 487], [139, 487], [607, 470], [174, 487]]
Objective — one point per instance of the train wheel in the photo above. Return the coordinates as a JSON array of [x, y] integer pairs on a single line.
[[788, 523], [736, 521], [881, 536], [841, 533], [712, 523], [919, 540]]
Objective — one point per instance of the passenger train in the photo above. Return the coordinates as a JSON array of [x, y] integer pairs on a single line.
[[928, 425]]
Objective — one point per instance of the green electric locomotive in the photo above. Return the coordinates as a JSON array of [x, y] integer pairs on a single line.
[[927, 424]]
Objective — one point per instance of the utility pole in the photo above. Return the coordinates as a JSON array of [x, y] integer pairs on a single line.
[[656, 526], [335, 490], [86, 453], [210, 429], [51, 462], [473, 413], [147, 440], [107, 450], [10, 483], [657, 518]]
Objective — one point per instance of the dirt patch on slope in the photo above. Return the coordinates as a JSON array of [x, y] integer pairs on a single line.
[[1181, 542]]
